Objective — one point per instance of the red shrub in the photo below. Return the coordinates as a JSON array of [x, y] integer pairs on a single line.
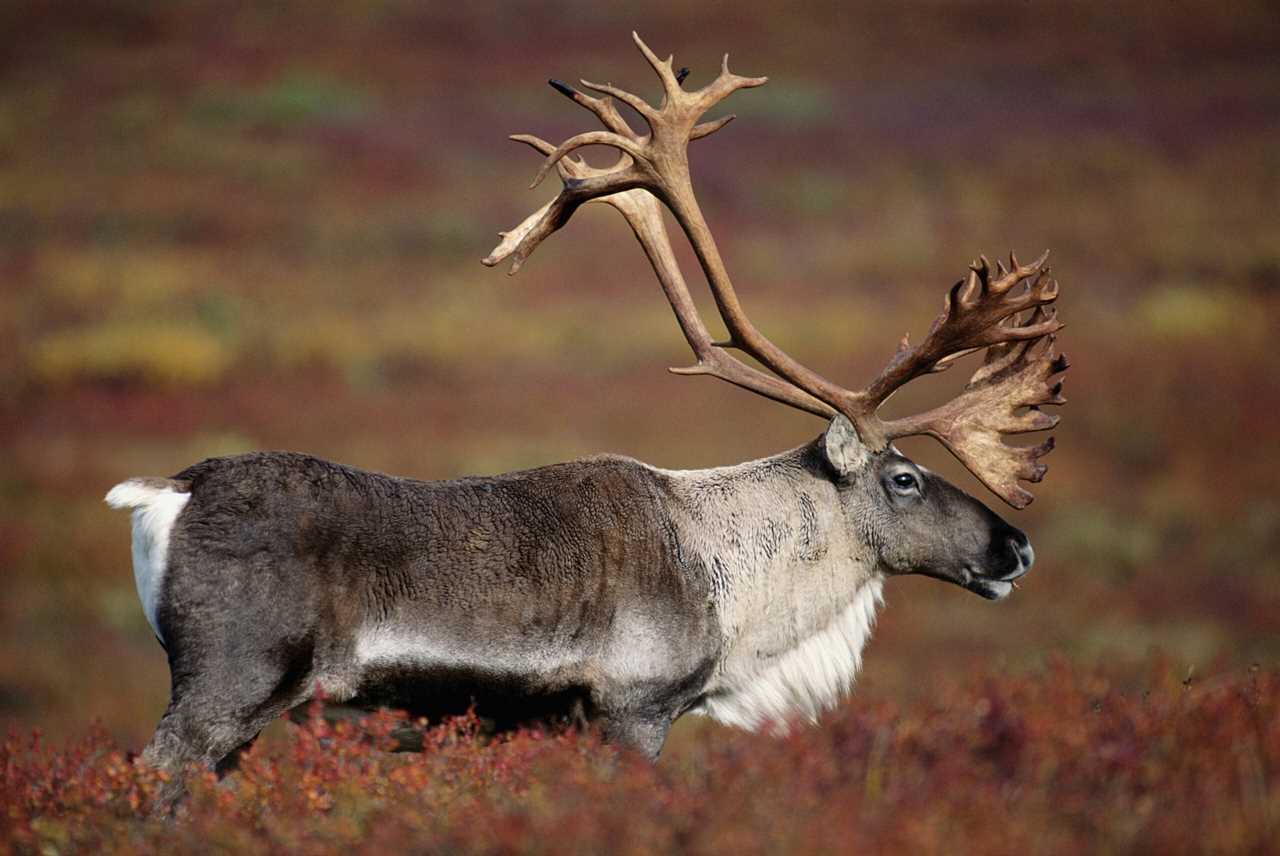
[[1058, 762]]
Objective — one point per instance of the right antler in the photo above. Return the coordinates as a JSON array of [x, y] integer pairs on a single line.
[[980, 313], [644, 215], [657, 163]]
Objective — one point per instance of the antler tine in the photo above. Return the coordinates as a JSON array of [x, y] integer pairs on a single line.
[[706, 129], [590, 138], [567, 167], [670, 85], [727, 81], [971, 318], [602, 107], [581, 183], [635, 102], [534, 142]]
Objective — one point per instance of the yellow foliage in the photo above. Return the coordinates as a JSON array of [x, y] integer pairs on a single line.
[[126, 278], [1196, 313], [172, 354]]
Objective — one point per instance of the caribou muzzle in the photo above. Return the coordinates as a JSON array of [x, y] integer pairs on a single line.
[[1011, 557]]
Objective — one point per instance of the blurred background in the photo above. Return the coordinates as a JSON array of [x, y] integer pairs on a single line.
[[234, 226]]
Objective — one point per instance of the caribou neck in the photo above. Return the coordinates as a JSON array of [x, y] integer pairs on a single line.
[[794, 588]]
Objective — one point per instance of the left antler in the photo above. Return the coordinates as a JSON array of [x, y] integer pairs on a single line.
[[1006, 314]]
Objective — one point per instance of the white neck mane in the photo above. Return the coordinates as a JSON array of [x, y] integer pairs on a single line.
[[795, 593], [805, 681]]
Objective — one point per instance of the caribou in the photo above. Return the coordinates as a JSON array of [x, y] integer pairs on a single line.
[[603, 590]]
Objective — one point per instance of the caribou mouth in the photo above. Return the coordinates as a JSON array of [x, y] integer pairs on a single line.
[[1015, 575], [993, 588], [990, 589]]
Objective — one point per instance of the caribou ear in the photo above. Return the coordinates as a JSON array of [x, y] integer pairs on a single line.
[[843, 448]]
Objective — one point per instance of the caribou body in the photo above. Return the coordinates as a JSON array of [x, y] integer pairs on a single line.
[[602, 590]]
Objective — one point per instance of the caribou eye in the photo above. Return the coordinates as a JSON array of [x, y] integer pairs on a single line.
[[906, 481]]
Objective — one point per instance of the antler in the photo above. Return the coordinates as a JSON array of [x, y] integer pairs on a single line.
[[657, 163], [643, 214], [984, 312], [980, 312]]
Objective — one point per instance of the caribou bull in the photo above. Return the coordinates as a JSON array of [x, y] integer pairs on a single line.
[[603, 588]]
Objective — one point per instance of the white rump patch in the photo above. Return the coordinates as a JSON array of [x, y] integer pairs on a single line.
[[807, 680], [156, 505]]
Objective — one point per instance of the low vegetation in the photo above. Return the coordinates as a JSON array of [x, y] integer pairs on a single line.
[[1059, 761]]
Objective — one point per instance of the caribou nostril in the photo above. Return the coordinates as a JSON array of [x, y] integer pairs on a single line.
[[1022, 549]]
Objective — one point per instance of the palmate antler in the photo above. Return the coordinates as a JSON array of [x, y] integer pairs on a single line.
[[1009, 316], [1005, 311]]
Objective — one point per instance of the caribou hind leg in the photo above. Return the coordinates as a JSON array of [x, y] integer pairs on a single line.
[[198, 731], [224, 692]]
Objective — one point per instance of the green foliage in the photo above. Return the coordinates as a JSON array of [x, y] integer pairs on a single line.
[[1194, 313], [296, 97], [793, 103], [1104, 539]]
